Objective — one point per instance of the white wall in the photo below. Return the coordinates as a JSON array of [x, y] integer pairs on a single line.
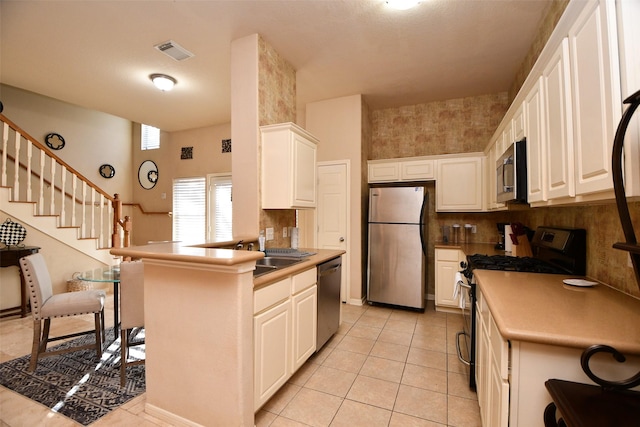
[[337, 123]]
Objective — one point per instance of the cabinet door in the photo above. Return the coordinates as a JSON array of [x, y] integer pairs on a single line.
[[534, 130], [459, 185], [596, 95], [558, 128], [498, 404], [518, 123], [384, 172], [272, 351], [417, 170], [304, 172], [305, 310]]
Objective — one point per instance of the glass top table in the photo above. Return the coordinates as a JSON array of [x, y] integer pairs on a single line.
[[109, 274]]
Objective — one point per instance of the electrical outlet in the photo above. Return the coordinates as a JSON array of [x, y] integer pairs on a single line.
[[474, 229], [269, 235], [284, 231]]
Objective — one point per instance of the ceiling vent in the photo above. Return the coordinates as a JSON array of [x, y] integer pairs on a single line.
[[174, 50]]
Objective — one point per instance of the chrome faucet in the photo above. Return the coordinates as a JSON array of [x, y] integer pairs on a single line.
[[239, 245], [250, 246]]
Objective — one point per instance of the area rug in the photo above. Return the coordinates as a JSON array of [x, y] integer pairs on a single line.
[[76, 384]]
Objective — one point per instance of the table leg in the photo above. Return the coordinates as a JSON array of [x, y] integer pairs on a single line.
[[116, 310]]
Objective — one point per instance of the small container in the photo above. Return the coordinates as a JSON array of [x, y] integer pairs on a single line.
[[261, 240], [467, 233], [446, 233], [455, 234]]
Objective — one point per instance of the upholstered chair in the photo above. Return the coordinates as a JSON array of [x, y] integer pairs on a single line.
[[46, 306], [131, 312]]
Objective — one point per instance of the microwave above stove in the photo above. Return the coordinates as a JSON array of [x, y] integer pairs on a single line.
[[511, 174]]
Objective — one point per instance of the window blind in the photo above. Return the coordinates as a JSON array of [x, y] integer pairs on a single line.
[[189, 209], [222, 208], [150, 138]]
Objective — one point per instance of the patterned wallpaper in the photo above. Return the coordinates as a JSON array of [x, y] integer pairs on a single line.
[[443, 127], [277, 104]]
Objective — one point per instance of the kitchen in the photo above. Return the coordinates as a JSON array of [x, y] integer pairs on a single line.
[[600, 220]]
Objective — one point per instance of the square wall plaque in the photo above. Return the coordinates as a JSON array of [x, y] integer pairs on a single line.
[[226, 145], [187, 153]]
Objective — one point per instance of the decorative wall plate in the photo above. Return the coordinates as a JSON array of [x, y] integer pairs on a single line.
[[107, 171], [54, 141], [12, 233], [148, 174]]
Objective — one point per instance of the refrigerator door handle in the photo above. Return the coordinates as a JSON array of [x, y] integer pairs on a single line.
[[423, 225]]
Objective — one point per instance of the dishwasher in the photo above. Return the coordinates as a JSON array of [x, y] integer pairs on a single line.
[[329, 277]]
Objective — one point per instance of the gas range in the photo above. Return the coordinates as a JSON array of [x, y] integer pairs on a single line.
[[555, 251]]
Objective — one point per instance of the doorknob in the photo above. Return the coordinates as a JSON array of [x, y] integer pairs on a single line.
[[342, 239]]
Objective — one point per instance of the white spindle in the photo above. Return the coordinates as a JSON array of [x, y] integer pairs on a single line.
[[74, 187], [29, 156], [83, 226], [93, 214], [16, 171], [101, 240], [52, 202], [5, 143], [41, 189], [63, 197]]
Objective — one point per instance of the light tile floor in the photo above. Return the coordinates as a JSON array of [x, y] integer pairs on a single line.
[[385, 367]]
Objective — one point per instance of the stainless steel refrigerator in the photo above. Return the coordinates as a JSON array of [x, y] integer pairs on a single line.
[[397, 246]]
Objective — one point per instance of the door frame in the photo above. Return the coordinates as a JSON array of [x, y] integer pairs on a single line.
[[345, 288]]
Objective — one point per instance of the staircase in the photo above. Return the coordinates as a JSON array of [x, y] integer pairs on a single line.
[[40, 190]]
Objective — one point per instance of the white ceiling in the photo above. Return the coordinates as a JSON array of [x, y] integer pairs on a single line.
[[99, 54]]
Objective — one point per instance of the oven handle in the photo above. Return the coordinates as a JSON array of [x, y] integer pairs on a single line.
[[462, 359]]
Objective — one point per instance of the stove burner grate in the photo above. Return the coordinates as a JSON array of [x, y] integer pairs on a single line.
[[509, 263]]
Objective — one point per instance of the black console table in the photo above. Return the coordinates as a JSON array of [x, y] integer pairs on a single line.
[[11, 257]]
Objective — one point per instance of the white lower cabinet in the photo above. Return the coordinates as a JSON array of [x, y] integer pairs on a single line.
[[284, 331], [447, 265]]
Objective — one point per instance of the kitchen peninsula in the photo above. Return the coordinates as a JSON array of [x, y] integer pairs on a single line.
[[199, 329]]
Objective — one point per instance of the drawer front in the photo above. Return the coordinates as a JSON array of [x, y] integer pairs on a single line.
[[304, 280], [272, 294], [447, 255]]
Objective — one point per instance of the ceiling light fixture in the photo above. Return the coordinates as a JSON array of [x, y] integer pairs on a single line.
[[402, 4], [163, 82]]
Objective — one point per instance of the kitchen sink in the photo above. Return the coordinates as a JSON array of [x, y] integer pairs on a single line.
[[271, 263], [277, 262]]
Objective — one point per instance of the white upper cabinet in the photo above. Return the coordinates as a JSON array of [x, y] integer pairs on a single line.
[[288, 167], [410, 169], [558, 130], [459, 184], [595, 80], [534, 130]]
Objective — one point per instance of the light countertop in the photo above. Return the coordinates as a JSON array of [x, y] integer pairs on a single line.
[[201, 254], [540, 308]]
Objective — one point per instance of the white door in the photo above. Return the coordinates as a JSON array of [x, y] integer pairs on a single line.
[[333, 213]]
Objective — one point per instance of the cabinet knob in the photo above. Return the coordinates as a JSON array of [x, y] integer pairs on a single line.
[[342, 239]]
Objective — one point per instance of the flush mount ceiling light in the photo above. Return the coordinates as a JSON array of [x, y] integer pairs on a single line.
[[402, 4], [163, 82]]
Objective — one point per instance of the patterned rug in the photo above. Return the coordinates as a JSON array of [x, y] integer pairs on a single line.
[[76, 384]]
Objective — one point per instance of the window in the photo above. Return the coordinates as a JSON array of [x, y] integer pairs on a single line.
[[220, 208], [150, 138], [189, 209]]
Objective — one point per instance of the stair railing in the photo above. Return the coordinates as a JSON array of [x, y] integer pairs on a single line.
[[35, 174]]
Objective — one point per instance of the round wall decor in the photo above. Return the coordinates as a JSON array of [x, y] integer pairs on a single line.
[[107, 171], [12, 233], [54, 141], [148, 174]]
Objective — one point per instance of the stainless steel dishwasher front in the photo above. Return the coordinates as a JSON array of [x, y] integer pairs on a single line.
[[329, 276]]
